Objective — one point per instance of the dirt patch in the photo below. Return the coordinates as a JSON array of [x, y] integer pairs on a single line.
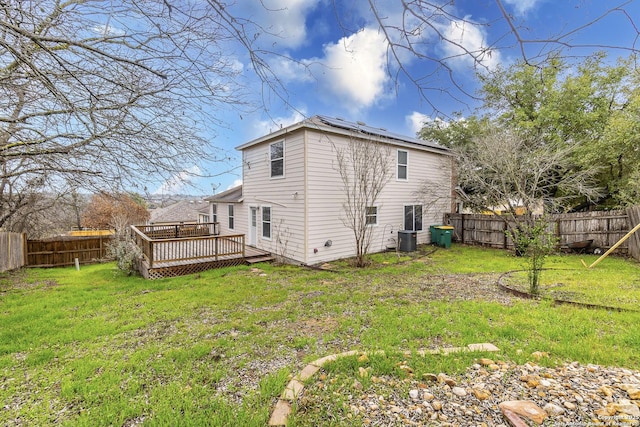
[[17, 280]]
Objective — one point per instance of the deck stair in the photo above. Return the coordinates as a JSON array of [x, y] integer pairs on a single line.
[[256, 259]]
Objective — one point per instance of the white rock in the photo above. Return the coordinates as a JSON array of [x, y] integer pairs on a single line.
[[552, 409], [459, 391]]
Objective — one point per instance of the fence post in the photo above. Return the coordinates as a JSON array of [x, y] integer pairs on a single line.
[[25, 250], [633, 219], [505, 241]]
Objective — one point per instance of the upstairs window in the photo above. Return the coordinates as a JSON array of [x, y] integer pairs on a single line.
[[276, 156], [413, 217], [372, 215], [214, 213], [403, 164], [266, 222]]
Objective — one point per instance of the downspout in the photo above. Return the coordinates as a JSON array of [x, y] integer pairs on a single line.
[[305, 198]]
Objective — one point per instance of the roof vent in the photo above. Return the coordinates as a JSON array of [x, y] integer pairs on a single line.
[[361, 123]]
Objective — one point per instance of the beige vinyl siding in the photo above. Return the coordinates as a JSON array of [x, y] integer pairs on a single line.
[[240, 222], [326, 196], [284, 195], [325, 212]]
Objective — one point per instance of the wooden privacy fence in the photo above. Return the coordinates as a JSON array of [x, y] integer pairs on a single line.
[[604, 227], [12, 250], [62, 251]]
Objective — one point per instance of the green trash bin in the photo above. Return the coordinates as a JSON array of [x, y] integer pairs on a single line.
[[435, 233], [444, 233]]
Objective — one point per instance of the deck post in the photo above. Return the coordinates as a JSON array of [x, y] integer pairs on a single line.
[[216, 249]]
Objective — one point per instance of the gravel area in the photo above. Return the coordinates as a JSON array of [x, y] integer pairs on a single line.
[[570, 394]]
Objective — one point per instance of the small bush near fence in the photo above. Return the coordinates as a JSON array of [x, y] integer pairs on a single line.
[[12, 251]]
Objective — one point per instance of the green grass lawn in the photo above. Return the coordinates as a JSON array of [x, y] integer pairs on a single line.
[[93, 347]]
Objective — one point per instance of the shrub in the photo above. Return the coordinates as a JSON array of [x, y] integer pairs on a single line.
[[534, 242]]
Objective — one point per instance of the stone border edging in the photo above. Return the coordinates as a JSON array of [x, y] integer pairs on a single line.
[[282, 410], [527, 295]]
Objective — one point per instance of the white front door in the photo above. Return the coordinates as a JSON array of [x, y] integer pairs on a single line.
[[253, 225]]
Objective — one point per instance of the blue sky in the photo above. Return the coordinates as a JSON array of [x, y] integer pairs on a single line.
[[340, 68]]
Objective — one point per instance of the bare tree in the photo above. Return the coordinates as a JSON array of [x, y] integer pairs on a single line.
[[365, 168], [99, 94], [102, 94], [504, 171], [523, 179], [45, 215]]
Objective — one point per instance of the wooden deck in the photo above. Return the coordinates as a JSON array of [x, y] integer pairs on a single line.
[[188, 254]]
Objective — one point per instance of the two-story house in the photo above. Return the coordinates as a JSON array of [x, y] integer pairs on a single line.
[[291, 200]]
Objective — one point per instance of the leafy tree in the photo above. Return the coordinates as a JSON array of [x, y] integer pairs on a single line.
[[588, 113], [457, 133], [114, 211]]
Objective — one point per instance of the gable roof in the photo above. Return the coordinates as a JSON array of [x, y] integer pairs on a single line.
[[340, 126], [182, 211], [233, 195]]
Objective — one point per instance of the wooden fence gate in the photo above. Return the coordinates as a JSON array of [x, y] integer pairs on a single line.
[[13, 253]]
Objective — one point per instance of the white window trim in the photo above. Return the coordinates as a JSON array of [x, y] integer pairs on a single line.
[[398, 164], [229, 217], [414, 216], [214, 212], [283, 160], [262, 222], [375, 224]]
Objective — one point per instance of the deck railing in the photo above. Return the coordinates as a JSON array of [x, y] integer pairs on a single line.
[[168, 231], [186, 247]]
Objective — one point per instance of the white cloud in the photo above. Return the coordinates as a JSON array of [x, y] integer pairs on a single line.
[[265, 127], [234, 184], [288, 70], [351, 71], [523, 6], [416, 121], [355, 68], [465, 45], [179, 182], [284, 21]]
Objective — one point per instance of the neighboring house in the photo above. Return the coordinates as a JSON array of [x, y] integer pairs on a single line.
[[185, 211], [223, 208], [291, 200]]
